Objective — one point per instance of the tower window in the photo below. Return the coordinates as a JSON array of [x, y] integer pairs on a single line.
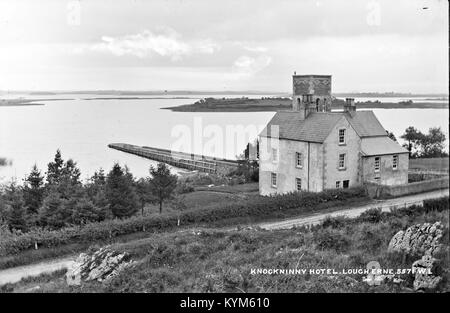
[[317, 105]]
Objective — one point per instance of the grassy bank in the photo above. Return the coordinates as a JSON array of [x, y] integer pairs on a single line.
[[217, 261]]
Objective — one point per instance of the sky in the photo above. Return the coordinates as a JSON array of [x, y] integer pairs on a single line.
[[368, 46]]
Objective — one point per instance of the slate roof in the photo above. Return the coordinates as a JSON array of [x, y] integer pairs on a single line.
[[318, 125], [380, 145]]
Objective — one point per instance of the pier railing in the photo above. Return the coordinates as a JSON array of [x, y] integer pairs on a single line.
[[184, 160]]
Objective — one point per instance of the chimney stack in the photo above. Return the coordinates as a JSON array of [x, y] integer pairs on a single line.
[[350, 105]]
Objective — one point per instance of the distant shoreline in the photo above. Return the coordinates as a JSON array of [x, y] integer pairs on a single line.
[[278, 104]]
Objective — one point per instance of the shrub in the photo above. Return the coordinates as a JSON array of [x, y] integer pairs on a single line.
[[371, 237], [335, 222], [439, 204], [184, 187], [373, 215], [329, 238]]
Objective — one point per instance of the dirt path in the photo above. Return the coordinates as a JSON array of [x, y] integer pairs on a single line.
[[15, 274], [354, 212]]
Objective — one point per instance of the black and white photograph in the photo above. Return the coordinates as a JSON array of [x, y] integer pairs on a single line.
[[205, 148]]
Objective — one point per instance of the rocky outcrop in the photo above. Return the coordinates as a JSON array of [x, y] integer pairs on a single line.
[[101, 266], [418, 239], [423, 270], [421, 239]]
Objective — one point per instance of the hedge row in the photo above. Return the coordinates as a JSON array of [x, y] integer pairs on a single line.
[[223, 214]]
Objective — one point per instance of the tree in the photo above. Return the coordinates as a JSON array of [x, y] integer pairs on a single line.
[[71, 172], [144, 194], [413, 138], [162, 183], [15, 208], [85, 212], [54, 169], [96, 192], [429, 145], [54, 212], [33, 191], [432, 144], [120, 193]]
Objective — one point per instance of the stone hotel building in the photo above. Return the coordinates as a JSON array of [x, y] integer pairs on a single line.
[[312, 148]]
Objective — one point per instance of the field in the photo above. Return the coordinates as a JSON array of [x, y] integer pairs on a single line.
[[432, 164], [217, 261]]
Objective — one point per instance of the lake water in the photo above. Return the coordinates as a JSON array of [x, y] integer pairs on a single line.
[[82, 129]]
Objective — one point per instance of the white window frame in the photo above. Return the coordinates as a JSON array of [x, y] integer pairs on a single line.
[[298, 157], [273, 176], [297, 180], [377, 167], [344, 161], [274, 155], [338, 184], [343, 136], [395, 160]]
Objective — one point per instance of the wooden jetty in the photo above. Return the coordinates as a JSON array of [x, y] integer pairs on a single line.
[[188, 161]]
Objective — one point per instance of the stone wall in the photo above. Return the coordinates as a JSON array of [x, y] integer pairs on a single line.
[[383, 191]]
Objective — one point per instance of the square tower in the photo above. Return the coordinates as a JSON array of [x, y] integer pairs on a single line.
[[311, 93]]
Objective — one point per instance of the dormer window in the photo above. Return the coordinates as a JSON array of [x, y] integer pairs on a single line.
[[342, 136]]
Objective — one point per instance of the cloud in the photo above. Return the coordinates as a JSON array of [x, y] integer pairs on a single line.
[[166, 43], [255, 49], [248, 66]]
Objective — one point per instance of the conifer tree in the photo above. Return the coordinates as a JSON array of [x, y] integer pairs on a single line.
[[33, 190], [162, 184], [120, 192]]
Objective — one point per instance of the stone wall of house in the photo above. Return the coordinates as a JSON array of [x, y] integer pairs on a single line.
[[332, 149], [286, 166], [387, 175]]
